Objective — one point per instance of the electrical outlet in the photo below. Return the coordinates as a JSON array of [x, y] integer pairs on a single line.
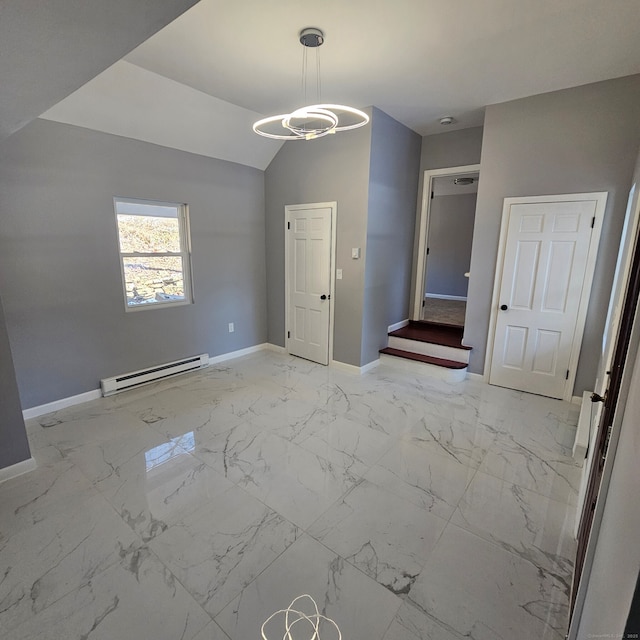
[[231, 327], [338, 274]]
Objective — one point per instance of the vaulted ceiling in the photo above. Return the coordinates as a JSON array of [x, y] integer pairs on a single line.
[[49, 48], [199, 83]]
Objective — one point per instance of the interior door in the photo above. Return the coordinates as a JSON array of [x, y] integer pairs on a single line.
[[309, 281], [616, 339], [545, 263]]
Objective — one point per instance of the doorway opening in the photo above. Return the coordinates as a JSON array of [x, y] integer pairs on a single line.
[[445, 239]]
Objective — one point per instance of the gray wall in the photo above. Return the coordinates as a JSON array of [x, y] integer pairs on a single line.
[[440, 151], [59, 267], [451, 149], [576, 140], [450, 238], [14, 447], [393, 180], [333, 168]]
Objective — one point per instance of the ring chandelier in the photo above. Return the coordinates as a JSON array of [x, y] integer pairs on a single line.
[[314, 121]]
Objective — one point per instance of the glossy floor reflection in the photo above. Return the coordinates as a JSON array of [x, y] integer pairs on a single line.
[[410, 509]]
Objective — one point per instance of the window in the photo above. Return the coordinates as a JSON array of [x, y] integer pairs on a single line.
[[154, 253]]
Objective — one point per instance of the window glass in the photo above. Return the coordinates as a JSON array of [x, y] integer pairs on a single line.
[[153, 253]]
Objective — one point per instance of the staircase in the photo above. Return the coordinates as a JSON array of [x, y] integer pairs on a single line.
[[430, 348]]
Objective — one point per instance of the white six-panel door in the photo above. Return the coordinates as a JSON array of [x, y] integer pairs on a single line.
[[547, 256], [309, 281]]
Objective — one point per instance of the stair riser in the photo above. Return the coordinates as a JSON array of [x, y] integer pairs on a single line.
[[430, 349], [424, 368]]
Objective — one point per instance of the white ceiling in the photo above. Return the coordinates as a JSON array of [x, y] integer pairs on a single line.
[[417, 60]]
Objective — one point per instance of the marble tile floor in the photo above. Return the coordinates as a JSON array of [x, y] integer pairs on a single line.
[[192, 509]]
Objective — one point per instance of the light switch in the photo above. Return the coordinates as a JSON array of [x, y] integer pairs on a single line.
[[338, 274], [355, 253]]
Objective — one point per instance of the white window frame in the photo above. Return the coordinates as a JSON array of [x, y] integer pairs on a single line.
[[184, 253]]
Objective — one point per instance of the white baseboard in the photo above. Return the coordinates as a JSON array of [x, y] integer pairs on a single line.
[[63, 403], [371, 365], [15, 470], [223, 357], [475, 376], [441, 296], [351, 368], [578, 399], [397, 325]]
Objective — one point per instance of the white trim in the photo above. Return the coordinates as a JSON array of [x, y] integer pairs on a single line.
[[369, 366], [63, 403], [475, 376], [422, 225], [239, 353], [578, 399], [618, 419], [442, 296], [15, 470], [184, 233], [332, 266], [430, 349], [600, 198], [351, 368], [397, 325], [424, 369]]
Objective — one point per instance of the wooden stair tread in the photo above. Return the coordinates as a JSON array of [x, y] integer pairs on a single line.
[[419, 357], [435, 333]]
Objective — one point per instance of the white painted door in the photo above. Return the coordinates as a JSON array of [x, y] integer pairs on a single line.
[[545, 262], [309, 282]]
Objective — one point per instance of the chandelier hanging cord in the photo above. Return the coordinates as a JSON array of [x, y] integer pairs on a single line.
[[314, 121]]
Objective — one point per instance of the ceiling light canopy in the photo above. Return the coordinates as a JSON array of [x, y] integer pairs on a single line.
[[316, 120]]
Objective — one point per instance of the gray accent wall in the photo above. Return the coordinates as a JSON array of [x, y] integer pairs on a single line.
[[333, 168], [458, 148], [451, 149], [393, 180], [59, 267], [372, 174], [450, 237], [14, 447], [576, 140]]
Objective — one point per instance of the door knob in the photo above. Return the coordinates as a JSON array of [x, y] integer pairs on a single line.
[[503, 307], [323, 297]]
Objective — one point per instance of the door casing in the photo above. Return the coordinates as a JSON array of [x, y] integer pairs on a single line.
[[600, 198], [422, 226], [332, 262], [622, 288]]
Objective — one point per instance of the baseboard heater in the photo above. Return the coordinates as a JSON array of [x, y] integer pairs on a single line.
[[145, 376]]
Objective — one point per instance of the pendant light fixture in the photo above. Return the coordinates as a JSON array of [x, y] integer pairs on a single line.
[[316, 120]]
